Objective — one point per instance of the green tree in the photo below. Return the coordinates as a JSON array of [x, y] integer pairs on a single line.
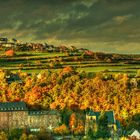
[[138, 73], [14, 134], [103, 130], [32, 137], [3, 136], [23, 137]]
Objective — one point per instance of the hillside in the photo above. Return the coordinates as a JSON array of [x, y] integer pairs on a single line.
[[33, 57]]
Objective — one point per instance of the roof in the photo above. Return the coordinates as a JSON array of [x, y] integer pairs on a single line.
[[12, 106], [42, 112], [136, 134], [3, 39], [21, 106], [118, 124], [93, 113], [13, 78], [109, 114]]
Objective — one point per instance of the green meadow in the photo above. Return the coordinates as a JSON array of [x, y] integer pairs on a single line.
[[34, 62]]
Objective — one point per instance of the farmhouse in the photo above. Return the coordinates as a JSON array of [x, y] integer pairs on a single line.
[[17, 115], [6, 43]]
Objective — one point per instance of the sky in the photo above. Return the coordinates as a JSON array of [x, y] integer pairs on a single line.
[[99, 25]]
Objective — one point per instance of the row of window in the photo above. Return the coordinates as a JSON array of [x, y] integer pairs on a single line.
[[12, 108]]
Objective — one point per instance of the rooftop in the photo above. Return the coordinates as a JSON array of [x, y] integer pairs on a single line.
[[109, 114], [21, 106], [12, 106], [13, 78]]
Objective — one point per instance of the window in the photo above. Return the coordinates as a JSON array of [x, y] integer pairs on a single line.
[[34, 129]]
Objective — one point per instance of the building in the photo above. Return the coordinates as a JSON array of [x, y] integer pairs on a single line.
[[93, 117], [3, 40], [134, 135], [13, 78], [17, 115], [6, 43]]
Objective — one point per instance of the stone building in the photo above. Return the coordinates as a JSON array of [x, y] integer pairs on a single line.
[[93, 117], [17, 115]]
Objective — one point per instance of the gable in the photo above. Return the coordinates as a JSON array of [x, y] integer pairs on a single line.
[[136, 134]]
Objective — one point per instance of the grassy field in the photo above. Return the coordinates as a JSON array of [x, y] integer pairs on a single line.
[[34, 62]]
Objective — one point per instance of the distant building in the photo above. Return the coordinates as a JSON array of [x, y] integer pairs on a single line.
[[135, 135], [4, 42], [17, 115], [13, 78], [93, 117], [82, 50]]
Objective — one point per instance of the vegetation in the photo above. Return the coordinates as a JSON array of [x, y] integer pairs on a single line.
[[32, 57], [21, 134], [71, 80], [71, 90]]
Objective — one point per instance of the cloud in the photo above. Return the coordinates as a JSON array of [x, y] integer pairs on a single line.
[[121, 19], [81, 22]]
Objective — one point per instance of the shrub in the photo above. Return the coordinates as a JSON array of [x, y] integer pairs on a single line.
[[10, 53]]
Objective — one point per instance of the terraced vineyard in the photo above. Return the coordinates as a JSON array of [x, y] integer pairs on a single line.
[[34, 62]]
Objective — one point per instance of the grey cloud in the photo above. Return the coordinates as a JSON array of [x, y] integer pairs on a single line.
[[71, 20]]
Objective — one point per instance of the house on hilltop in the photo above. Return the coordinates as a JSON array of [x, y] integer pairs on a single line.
[[3, 40], [6, 43], [17, 115]]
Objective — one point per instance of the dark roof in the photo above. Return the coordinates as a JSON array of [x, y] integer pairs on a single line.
[[118, 124], [43, 112], [130, 131], [3, 39], [13, 78], [109, 114], [12, 106], [93, 113], [21, 106], [5, 43]]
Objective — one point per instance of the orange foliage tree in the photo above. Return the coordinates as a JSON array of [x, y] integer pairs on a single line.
[[10, 53], [62, 130]]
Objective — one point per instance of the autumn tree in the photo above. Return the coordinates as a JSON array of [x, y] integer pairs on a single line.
[[10, 53], [62, 130], [72, 121], [23, 137], [3, 136]]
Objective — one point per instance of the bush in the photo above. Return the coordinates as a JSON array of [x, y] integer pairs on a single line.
[[10, 53], [14, 134]]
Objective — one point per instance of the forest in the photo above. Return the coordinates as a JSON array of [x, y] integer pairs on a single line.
[[69, 89]]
